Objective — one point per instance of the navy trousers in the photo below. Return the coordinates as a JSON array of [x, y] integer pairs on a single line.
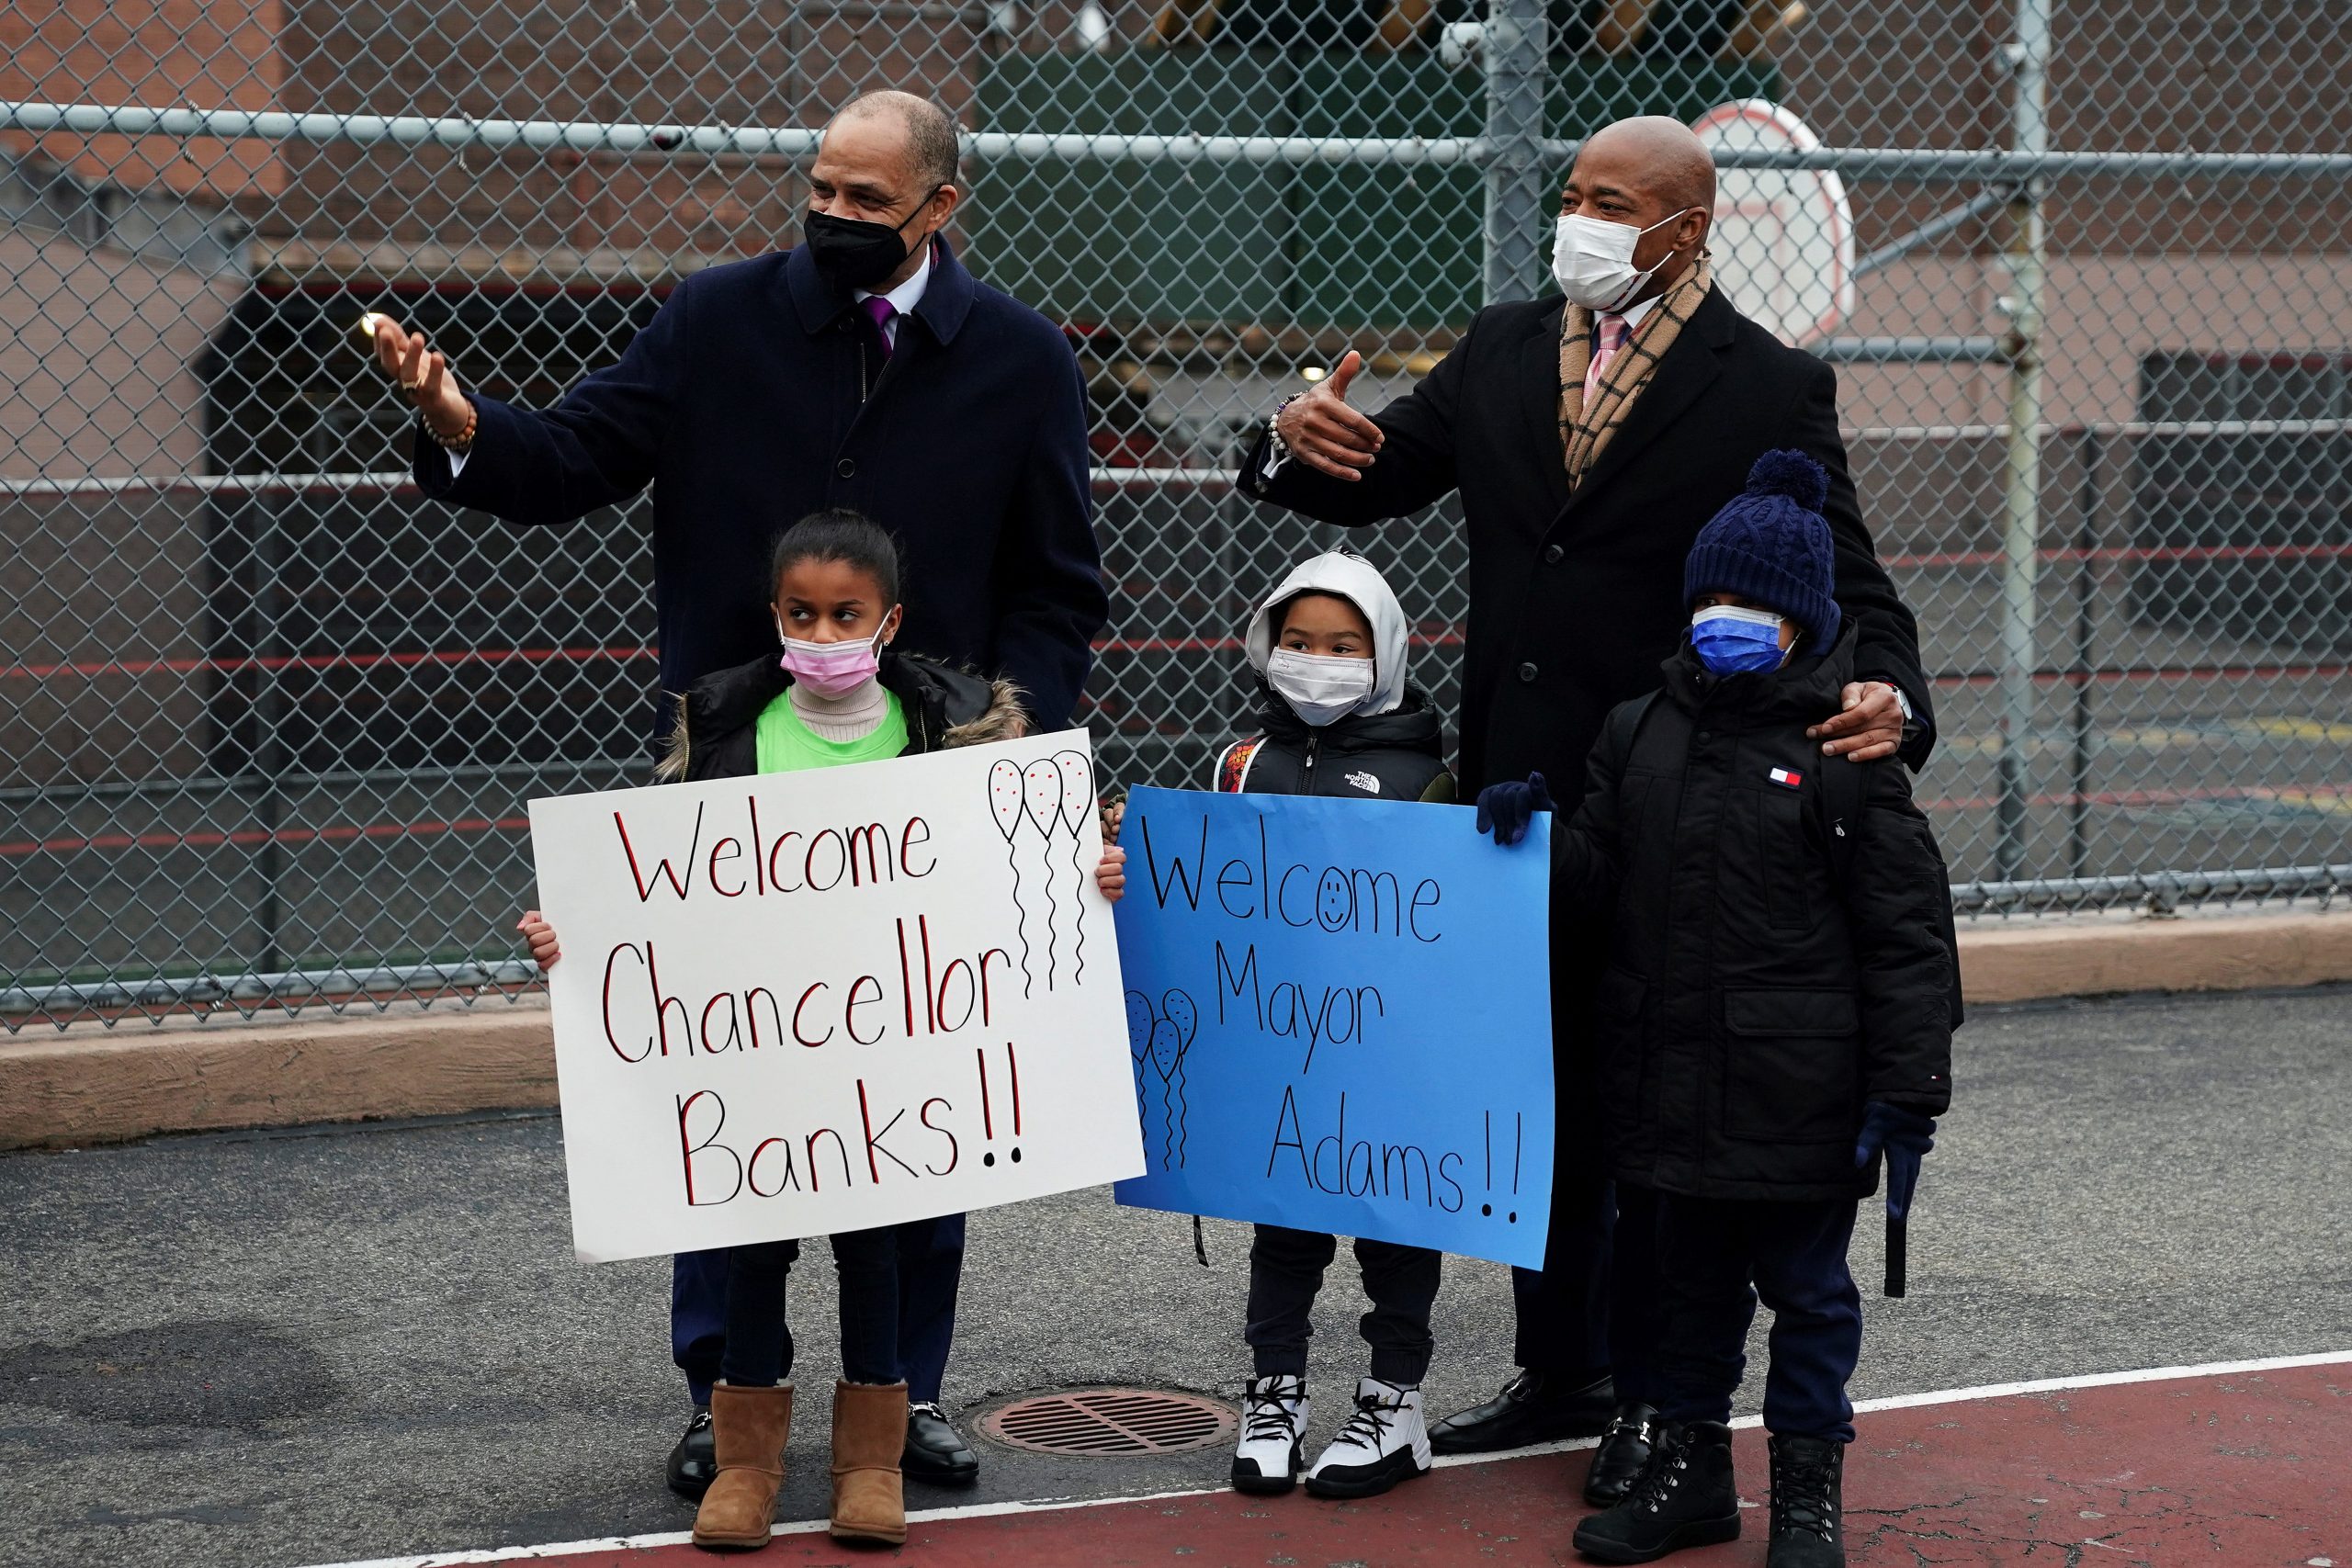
[[931, 1266], [758, 1352], [1715, 1258]]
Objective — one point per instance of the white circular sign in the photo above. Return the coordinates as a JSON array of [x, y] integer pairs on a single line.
[[1783, 242]]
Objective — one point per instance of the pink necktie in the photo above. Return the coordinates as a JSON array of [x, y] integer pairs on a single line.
[[879, 309], [1613, 336]]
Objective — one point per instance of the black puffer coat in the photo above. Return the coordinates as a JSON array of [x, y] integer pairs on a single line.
[[1386, 756], [1782, 949], [716, 734]]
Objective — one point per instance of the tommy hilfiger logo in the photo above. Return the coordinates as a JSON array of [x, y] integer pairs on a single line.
[[1784, 777]]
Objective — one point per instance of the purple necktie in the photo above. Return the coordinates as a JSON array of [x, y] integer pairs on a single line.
[[880, 310]]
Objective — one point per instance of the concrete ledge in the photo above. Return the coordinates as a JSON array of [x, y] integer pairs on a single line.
[[132, 1081], [135, 1080], [2030, 962]]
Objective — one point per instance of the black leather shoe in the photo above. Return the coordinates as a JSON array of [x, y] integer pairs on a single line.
[[1808, 1504], [936, 1451], [1533, 1407], [1625, 1449], [694, 1462], [1684, 1497]]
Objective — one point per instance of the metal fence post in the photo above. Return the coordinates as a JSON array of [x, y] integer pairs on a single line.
[[1515, 55], [2028, 56]]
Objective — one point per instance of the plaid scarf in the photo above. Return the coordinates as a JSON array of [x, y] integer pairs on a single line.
[[1585, 432]]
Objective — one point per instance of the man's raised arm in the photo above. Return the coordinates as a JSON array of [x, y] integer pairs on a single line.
[[596, 447], [1338, 464]]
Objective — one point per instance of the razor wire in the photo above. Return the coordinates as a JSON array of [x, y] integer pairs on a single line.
[[271, 718]]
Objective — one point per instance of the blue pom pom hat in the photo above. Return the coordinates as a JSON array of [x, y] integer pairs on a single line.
[[1771, 543]]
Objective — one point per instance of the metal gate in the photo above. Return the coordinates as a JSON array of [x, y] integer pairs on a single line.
[[268, 718]]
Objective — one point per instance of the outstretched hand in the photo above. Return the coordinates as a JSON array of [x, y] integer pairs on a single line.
[[1324, 433], [423, 373], [1507, 810]]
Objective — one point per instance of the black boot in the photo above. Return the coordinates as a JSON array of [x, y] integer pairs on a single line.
[[1625, 1449], [1684, 1496], [1533, 1407], [693, 1462], [1808, 1504]]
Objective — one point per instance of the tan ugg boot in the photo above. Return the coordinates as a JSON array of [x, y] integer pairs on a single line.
[[870, 1434], [749, 1428]]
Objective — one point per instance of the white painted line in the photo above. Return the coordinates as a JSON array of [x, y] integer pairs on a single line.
[[1448, 1462]]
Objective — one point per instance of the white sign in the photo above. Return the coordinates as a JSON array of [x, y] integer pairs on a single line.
[[828, 1000], [1783, 239]]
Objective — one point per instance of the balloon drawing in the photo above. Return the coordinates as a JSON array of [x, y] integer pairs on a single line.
[[1159, 1036], [1047, 800]]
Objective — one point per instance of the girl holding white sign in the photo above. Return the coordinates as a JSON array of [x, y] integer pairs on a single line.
[[837, 695]]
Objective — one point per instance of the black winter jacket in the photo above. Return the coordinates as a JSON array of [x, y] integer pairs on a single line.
[[1386, 756], [716, 733], [1782, 949]]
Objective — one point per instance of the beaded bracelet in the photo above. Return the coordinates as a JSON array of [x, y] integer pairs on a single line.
[[461, 442], [1274, 427]]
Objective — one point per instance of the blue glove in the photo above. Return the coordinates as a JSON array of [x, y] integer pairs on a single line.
[[1906, 1137], [1505, 809]]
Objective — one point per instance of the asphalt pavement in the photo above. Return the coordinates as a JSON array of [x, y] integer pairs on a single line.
[[291, 1347]]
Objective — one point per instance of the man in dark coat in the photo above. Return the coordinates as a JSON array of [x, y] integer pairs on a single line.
[[1591, 441], [865, 369]]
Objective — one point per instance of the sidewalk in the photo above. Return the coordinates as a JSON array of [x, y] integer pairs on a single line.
[[2228, 1466]]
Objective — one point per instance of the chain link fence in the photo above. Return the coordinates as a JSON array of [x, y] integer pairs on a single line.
[[268, 719]]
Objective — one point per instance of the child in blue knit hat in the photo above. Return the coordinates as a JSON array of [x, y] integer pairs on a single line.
[[1776, 1018]]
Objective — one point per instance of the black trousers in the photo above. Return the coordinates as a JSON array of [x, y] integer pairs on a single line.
[[1563, 1309], [1715, 1258], [931, 1266], [1286, 1271], [759, 1335]]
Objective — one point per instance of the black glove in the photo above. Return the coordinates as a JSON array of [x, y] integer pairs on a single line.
[[1505, 809], [1906, 1137]]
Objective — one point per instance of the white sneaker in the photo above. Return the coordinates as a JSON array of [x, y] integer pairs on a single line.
[[1273, 1426], [1385, 1441]]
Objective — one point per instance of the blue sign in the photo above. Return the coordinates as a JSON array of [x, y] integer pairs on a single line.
[[1339, 1013]]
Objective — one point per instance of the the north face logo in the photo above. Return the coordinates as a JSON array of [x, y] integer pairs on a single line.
[[1365, 783]]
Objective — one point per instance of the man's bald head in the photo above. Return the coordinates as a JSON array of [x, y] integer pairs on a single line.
[[932, 153], [1662, 155], [1652, 174]]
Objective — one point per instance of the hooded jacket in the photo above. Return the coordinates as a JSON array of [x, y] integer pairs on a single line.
[[1392, 748], [1782, 949], [716, 733]]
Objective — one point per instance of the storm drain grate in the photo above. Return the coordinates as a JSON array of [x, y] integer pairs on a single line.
[[1110, 1423]]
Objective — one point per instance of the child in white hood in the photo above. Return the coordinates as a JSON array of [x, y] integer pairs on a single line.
[[1336, 718]]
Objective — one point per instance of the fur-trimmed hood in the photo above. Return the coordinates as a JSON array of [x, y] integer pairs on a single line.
[[714, 734]]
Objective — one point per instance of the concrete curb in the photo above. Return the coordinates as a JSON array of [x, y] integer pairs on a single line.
[[132, 1082]]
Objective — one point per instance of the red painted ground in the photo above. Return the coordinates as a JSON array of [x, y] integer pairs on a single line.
[[2246, 1470]]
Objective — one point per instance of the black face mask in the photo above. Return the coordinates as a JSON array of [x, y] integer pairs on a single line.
[[856, 253]]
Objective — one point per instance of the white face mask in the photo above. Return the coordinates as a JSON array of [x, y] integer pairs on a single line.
[[1593, 260], [1318, 688]]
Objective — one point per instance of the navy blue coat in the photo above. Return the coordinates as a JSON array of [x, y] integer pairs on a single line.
[[756, 395]]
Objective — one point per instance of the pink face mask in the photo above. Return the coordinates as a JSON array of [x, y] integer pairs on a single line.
[[831, 669]]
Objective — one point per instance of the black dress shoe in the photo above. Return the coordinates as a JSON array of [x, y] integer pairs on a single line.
[[1684, 1496], [1625, 1449], [1533, 1407], [935, 1451], [694, 1462]]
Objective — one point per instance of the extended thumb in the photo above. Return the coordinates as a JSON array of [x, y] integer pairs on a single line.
[[1344, 373]]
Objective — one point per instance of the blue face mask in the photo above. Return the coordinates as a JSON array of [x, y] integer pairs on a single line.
[[1731, 641]]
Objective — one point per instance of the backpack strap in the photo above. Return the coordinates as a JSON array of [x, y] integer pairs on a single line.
[[1625, 723], [1233, 767]]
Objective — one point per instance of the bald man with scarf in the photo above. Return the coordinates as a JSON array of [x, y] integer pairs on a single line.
[[1592, 434]]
